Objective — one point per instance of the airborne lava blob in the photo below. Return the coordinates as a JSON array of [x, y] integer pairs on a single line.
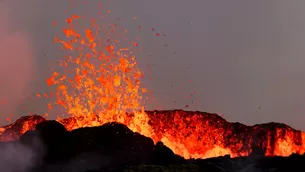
[[104, 84]]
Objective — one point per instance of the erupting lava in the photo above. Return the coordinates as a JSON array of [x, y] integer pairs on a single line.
[[100, 83]]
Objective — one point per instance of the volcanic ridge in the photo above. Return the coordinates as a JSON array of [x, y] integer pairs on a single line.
[[188, 134]]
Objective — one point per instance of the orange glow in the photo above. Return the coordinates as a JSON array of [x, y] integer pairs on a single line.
[[189, 134], [105, 81], [105, 86]]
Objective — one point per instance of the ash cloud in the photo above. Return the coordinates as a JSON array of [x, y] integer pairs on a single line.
[[16, 63]]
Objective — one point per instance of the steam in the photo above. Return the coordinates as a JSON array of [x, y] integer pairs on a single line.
[[16, 63], [17, 157]]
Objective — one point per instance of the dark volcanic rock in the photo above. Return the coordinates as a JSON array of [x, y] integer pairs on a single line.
[[163, 155], [115, 148], [115, 141], [294, 162], [54, 137]]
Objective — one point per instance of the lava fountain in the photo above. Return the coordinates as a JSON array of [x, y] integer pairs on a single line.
[[101, 83]]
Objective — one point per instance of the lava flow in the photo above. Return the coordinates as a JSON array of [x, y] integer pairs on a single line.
[[100, 83], [194, 134]]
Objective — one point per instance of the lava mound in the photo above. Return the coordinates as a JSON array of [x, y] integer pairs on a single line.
[[13, 131], [195, 134], [206, 135], [113, 147]]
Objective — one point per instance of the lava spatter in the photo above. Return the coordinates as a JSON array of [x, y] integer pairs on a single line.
[[105, 82], [100, 82]]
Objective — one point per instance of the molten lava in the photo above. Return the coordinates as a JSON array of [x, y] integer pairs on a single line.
[[100, 83], [195, 134]]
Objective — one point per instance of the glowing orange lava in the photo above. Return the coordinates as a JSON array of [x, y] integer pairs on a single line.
[[101, 82], [105, 87], [104, 84]]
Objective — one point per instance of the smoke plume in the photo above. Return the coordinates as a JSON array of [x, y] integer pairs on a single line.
[[16, 157], [16, 63]]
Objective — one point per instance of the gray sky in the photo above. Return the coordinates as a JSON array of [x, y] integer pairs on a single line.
[[244, 58]]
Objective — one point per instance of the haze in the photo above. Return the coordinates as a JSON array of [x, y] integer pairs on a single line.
[[243, 59]]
